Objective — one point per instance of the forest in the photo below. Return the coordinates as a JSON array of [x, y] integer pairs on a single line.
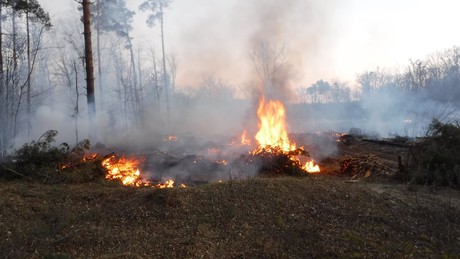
[[44, 83]]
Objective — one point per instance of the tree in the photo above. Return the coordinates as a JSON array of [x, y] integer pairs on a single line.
[[16, 50], [34, 13], [417, 75], [114, 16], [268, 61], [156, 7], [67, 68], [89, 69]]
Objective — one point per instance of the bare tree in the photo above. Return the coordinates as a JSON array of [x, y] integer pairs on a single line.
[[172, 62], [112, 16], [268, 61], [156, 8], [67, 70], [18, 48], [34, 13], [156, 82]]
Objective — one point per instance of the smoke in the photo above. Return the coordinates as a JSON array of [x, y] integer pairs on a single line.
[[256, 45], [223, 41]]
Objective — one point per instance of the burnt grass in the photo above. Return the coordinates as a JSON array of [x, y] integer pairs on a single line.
[[323, 215]]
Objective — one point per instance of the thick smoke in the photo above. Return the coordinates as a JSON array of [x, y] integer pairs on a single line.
[[225, 38]]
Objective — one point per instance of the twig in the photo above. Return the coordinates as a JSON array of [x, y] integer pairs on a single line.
[[13, 171]]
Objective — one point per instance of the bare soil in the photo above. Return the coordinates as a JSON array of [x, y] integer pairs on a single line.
[[323, 215]]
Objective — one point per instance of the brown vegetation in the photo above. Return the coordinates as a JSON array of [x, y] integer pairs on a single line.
[[315, 216]]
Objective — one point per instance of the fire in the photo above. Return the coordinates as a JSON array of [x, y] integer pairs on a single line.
[[213, 151], [126, 169], [170, 138], [89, 157], [222, 162], [273, 136], [244, 139], [272, 126], [311, 167], [168, 184]]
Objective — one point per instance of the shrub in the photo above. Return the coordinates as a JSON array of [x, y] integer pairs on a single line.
[[43, 161], [435, 159]]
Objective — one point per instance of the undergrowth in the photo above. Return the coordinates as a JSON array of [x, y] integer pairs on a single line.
[[435, 159], [41, 160]]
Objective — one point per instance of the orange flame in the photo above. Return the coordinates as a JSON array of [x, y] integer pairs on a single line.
[[311, 167], [244, 139], [124, 169], [272, 131], [170, 138], [127, 171], [168, 184], [272, 126], [89, 157]]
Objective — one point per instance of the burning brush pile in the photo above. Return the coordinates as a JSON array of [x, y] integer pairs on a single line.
[[276, 153]]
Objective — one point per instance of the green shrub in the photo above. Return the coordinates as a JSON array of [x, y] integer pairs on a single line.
[[435, 159], [43, 161]]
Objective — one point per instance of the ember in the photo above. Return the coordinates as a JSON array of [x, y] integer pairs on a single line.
[[170, 138]]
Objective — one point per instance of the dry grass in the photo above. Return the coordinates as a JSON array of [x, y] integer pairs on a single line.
[[318, 216]]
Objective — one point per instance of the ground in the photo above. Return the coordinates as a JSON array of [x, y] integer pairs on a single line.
[[323, 215]]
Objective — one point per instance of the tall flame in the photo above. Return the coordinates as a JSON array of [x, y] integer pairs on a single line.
[[272, 126], [272, 131]]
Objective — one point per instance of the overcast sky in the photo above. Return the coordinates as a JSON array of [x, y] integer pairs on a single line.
[[324, 39]]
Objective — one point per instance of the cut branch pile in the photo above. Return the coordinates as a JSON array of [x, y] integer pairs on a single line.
[[273, 161], [363, 165]]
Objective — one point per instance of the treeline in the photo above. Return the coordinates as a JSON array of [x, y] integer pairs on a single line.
[[435, 78]]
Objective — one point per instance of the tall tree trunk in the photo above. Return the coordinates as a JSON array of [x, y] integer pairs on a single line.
[[139, 71], [99, 67], [77, 110], [29, 115], [14, 83], [3, 105], [156, 82], [165, 80], [136, 105], [89, 70]]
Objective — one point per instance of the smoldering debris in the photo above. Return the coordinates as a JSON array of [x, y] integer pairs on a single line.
[[193, 161]]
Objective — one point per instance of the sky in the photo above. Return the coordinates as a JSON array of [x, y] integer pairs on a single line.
[[327, 39]]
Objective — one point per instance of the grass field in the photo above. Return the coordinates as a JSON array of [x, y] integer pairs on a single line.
[[288, 217]]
